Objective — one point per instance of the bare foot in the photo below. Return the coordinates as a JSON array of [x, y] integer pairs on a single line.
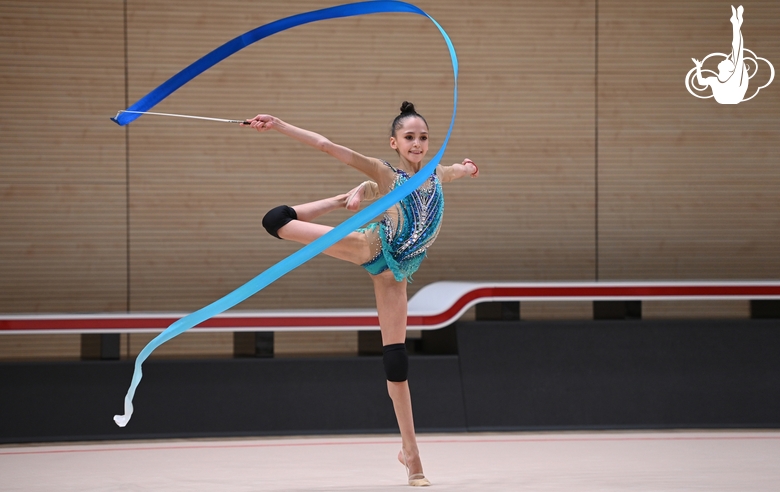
[[355, 196]]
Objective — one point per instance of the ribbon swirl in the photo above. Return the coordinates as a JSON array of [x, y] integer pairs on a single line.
[[336, 234]]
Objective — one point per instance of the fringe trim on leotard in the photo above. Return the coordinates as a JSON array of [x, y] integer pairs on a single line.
[[400, 270]]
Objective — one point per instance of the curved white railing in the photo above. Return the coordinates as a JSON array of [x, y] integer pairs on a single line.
[[436, 305]]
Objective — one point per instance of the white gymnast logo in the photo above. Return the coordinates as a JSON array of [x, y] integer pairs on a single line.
[[730, 84]]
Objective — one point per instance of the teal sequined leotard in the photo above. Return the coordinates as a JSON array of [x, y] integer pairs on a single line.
[[408, 229]]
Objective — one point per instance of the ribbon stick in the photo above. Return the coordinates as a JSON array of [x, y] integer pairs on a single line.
[[336, 234], [189, 116]]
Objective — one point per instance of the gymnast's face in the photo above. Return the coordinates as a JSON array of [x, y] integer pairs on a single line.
[[411, 140]]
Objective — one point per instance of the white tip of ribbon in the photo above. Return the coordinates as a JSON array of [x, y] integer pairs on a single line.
[[122, 420]]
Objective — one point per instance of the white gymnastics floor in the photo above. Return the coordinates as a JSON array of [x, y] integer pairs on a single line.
[[560, 461]]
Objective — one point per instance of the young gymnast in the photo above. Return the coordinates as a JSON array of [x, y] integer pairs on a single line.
[[391, 250]]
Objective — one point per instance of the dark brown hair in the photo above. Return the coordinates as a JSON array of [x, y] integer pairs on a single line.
[[407, 110]]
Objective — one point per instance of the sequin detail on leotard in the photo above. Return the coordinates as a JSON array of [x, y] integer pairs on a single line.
[[408, 229]]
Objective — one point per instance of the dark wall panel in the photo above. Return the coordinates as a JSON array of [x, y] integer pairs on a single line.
[[610, 374], [508, 375], [69, 401]]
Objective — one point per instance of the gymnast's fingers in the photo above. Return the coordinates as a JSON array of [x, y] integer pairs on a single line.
[[257, 123], [262, 122], [476, 169]]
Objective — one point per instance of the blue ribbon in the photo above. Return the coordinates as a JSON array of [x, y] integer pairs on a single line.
[[336, 234]]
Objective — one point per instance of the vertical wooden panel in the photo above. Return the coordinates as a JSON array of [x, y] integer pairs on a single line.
[[62, 163], [688, 188]]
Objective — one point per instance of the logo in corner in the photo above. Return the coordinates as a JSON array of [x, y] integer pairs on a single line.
[[735, 70]]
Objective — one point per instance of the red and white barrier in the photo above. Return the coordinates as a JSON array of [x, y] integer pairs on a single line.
[[434, 306]]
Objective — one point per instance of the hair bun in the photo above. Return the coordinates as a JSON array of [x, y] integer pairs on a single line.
[[407, 108], [407, 111]]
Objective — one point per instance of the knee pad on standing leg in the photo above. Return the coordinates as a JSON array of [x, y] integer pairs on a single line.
[[396, 362], [278, 217]]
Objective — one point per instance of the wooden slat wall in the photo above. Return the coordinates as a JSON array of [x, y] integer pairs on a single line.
[[695, 309], [315, 344], [63, 230], [688, 188], [632, 178], [62, 173], [559, 310], [186, 345], [199, 191], [39, 347]]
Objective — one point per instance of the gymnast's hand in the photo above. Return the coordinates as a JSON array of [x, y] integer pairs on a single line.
[[471, 168], [262, 122]]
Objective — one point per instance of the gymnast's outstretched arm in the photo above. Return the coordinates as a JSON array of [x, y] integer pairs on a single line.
[[457, 171], [371, 167]]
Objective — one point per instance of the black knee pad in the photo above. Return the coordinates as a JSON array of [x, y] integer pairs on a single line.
[[278, 217], [396, 362]]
